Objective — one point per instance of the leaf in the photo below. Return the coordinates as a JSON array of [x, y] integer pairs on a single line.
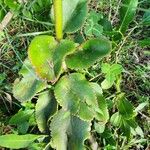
[[64, 48], [12, 4], [74, 14], [106, 24], [141, 106], [45, 108], [102, 114], [127, 13], [106, 68], [40, 54], [14, 141], [89, 53], [23, 128], [146, 18], [47, 56], [116, 69], [68, 132], [145, 42], [73, 90], [112, 72], [2, 14], [21, 117], [26, 88], [99, 127], [125, 108], [106, 84], [116, 119], [92, 27]]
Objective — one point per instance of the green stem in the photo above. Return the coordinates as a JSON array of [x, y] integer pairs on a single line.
[[58, 19]]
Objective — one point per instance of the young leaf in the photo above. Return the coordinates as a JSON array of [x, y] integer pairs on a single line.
[[92, 27], [45, 108], [26, 88], [112, 72], [72, 91], [127, 13], [106, 84], [40, 54], [99, 127], [74, 14], [21, 117], [68, 132], [116, 119], [14, 141], [90, 52], [102, 114]]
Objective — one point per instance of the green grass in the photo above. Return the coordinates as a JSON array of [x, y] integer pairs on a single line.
[[14, 41]]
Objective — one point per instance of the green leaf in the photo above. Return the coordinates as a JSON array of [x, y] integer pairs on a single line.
[[23, 128], [92, 27], [116, 69], [21, 117], [116, 119], [126, 109], [47, 56], [89, 53], [106, 84], [68, 132], [107, 27], [99, 127], [40, 54], [102, 114], [14, 141], [2, 14], [145, 42], [127, 13], [45, 108], [146, 18], [112, 72], [74, 14], [12, 4], [141, 106], [106, 68], [26, 88], [73, 91], [64, 48]]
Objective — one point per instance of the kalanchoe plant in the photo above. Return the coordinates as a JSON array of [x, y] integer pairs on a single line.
[[67, 102]]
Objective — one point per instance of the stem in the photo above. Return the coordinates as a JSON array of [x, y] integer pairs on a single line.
[[58, 13]]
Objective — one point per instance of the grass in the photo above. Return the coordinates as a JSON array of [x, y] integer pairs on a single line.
[[14, 41]]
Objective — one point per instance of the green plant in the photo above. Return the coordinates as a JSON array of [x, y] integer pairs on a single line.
[[67, 104]]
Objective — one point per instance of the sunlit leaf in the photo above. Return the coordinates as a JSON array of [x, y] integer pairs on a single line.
[[73, 91], [89, 53], [14, 141]]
